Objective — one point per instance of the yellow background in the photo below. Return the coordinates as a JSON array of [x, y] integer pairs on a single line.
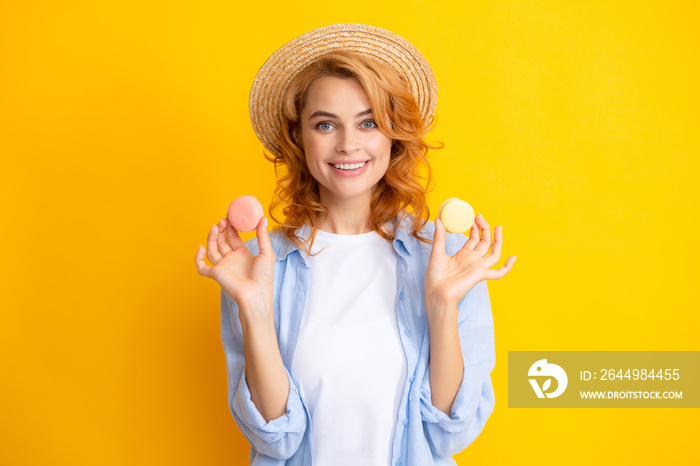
[[124, 135]]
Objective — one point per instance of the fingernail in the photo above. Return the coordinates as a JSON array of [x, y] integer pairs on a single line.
[[515, 258], [481, 216], [265, 221]]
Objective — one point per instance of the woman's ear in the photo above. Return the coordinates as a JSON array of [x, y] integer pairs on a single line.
[[295, 137]]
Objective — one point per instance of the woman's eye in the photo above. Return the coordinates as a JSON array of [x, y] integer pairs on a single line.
[[325, 126]]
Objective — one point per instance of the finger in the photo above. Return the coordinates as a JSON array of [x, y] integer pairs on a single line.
[[485, 243], [438, 239], [264, 244], [234, 239], [212, 252], [202, 266], [473, 236], [494, 256], [224, 248], [496, 274]]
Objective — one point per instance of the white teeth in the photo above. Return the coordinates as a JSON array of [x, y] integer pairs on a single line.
[[349, 166]]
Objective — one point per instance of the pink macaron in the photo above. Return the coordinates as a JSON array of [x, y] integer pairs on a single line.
[[244, 213]]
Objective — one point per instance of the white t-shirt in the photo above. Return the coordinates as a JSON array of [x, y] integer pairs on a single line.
[[349, 360]]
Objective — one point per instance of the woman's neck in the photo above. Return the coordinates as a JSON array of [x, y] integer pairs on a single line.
[[346, 217]]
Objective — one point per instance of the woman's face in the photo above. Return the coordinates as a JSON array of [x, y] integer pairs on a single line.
[[337, 127]]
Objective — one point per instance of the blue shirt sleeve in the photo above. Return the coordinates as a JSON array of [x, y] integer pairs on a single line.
[[475, 400], [279, 438]]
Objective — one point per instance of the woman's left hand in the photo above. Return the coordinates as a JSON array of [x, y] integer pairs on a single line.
[[449, 278]]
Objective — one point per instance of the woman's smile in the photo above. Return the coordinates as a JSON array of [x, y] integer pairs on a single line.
[[350, 169]]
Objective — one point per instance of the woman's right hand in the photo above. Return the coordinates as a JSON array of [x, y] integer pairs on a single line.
[[246, 278]]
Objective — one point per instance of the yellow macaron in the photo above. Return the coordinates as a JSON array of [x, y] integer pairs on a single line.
[[456, 215]]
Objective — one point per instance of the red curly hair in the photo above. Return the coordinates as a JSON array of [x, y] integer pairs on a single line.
[[397, 116]]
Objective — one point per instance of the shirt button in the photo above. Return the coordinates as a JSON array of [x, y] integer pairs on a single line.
[[401, 294], [405, 422], [413, 377], [407, 332]]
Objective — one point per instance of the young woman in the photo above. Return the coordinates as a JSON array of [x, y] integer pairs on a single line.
[[357, 332]]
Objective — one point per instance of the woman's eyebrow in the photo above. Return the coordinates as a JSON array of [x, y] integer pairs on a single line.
[[330, 115]]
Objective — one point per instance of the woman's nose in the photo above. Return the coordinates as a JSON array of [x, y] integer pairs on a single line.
[[348, 141]]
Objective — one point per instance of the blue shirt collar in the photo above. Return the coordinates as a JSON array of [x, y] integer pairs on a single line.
[[402, 236]]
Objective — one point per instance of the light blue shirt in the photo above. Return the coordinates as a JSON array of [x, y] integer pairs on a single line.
[[424, 435]]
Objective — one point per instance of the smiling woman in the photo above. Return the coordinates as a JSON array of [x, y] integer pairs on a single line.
[[348, 338]]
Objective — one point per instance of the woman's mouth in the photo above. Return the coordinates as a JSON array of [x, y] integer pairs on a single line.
[[350, 169]]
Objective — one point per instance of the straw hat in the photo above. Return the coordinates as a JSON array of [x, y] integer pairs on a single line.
[[279, 70]]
